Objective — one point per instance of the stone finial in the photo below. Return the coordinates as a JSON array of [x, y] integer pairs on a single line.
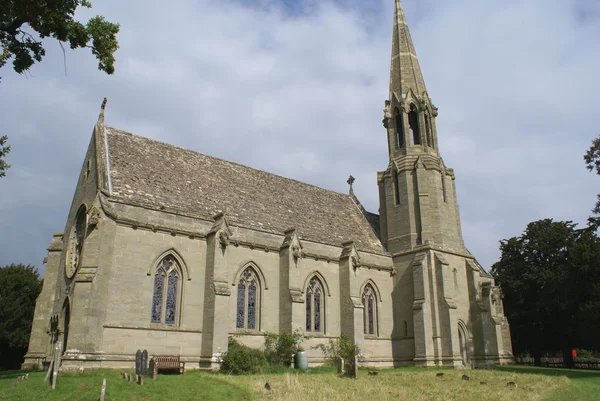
[[101, 116], [350, 182]]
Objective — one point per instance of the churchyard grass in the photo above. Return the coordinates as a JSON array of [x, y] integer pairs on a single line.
[[415, 384], [86, 387]]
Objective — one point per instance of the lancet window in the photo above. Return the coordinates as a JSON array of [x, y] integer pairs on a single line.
[[167, 291], [396, 188], [248, 292], [413, 124], [399, 118], [315, 319], [369, 301]]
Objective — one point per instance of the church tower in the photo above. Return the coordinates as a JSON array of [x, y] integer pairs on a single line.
[[452, 308]]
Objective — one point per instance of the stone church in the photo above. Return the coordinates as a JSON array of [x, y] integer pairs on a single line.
[[175, 254]]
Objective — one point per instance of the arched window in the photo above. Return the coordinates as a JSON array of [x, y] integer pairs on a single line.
[[369, 301], [315, 318], [428, 131], [167, 290], [405, 328], [247, 300], [399, 118], [413, 124]]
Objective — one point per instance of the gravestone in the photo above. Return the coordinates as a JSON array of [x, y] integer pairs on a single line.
[[144, 369], [56, 363], [352, 368], [103, 390], [340, 366], [138, 362], [152, 369]]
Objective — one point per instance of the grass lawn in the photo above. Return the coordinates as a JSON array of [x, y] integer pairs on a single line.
[[584, 384], [414, 384]]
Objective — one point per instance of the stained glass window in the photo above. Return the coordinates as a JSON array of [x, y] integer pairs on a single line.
[[369, 311], [247, 315], [165, 297], [314, 306]]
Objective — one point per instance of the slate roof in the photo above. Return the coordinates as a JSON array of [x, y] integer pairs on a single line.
[[155, 174]]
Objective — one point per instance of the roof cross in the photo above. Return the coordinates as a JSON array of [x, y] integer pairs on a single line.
[[350, 182]]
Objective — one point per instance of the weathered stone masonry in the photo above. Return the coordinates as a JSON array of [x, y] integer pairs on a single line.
[[173, 251]]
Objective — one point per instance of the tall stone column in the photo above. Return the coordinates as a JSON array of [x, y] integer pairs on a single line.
[[215, 327], [39, 339], [351, 307]]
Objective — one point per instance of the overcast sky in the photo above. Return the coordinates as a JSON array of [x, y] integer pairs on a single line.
[[297, 88]]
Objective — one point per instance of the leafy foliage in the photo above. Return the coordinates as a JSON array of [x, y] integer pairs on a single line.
[[339, 348], [54, 19], [20, 285], [592, 162], [280, 348], [4, 150], [550, 276], [240, 359]]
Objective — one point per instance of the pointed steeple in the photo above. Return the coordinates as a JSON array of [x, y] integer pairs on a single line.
[[405, 72], [409, 115]]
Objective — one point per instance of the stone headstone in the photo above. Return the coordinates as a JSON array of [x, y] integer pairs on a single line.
[[56, 362], [340, 366], [352, 368], [138, 362], [151, 369], [144, 369], [103, 390]]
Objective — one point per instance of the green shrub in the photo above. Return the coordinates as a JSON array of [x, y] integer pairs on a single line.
[[280, 348], [339, 348], [240, 359], [585, 356]]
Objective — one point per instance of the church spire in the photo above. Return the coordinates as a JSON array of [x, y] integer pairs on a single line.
[[409, 114], [405, 72]]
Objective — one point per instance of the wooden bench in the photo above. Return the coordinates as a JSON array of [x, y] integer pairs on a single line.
[[167, 362]]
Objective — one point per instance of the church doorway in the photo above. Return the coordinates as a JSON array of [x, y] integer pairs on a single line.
[[66, 320], [464, 345]]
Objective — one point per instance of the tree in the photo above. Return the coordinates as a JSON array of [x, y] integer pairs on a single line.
[[592, 162], [4, 150], [20, 286], [55, 19], [550, 276]]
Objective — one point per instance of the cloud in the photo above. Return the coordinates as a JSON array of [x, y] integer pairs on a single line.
[[297, 89]]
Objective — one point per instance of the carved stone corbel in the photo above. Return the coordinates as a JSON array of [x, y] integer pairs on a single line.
[[94, 218], [349, 251], [222, 231], [292, 242]]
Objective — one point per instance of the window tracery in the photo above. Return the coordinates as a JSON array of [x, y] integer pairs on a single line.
[[369, 301], [166, 293], [248, 300], [315, 306]]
